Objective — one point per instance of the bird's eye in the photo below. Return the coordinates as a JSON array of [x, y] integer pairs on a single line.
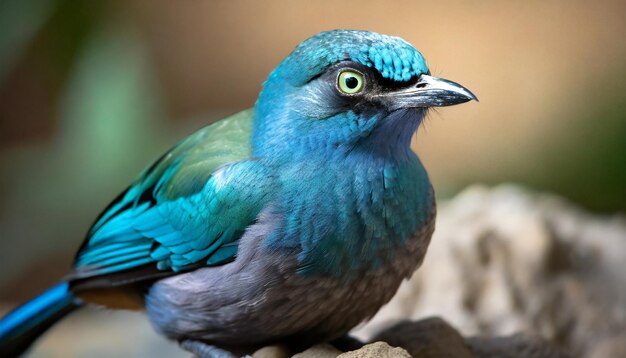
[[351, 82]]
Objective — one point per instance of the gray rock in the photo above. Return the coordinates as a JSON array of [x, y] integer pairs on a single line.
[[506, 260], [514, 346], [377, 350], [427, 338], [434, 337], [614, 346], [276, 351]]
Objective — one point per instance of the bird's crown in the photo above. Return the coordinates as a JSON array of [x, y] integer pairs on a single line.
[[391, 56]]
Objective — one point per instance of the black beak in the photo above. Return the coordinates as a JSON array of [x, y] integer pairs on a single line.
[[428, 92]]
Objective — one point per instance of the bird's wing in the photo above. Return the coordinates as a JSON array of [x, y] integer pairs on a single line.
[[188, 209]]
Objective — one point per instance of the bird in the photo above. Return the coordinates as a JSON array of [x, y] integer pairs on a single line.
[[292, 221]]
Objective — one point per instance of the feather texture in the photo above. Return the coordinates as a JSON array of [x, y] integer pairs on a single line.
[[188, 209]]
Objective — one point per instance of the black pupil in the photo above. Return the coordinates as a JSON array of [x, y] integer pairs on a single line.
[[352, 82]]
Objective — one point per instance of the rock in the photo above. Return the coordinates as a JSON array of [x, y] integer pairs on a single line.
[[514, 346], [427, 338], [276, 351], [610, 347], [506, 260], [434, 337], [377, 350], [319, 351]]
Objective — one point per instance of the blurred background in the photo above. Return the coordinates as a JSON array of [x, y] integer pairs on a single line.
[[92, 91]]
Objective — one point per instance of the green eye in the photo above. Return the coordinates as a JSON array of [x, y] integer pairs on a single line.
[[351, 82]]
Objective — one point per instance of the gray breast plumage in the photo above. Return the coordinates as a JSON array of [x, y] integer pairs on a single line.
[[260, 298]]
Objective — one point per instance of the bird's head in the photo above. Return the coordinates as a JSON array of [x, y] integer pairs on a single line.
[[344, 91]]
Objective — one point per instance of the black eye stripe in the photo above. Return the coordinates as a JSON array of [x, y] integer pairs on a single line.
[[373, 77]]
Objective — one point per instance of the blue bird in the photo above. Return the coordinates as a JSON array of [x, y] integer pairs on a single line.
[[289, 222]]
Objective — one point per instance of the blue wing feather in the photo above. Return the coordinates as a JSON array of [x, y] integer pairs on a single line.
[[188, 209]]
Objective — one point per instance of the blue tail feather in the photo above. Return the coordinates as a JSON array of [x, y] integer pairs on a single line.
[[20, 327]]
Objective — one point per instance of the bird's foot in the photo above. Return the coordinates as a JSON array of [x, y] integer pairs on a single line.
[[203, 350]]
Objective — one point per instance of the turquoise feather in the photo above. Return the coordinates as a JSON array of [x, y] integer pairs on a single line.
[[178, 206]]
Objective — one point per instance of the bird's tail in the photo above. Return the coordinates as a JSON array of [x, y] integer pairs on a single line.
[[21, 327]]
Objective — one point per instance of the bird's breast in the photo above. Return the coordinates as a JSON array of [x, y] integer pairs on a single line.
[[356, 215], [260, 298]]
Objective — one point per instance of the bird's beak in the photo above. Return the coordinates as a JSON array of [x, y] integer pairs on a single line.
[[429, 92]]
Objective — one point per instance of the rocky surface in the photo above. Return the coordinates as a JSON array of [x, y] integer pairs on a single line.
[[510, 273], [513, 346], [435, 338], [377, 350], [505, 261], [431, 337]]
